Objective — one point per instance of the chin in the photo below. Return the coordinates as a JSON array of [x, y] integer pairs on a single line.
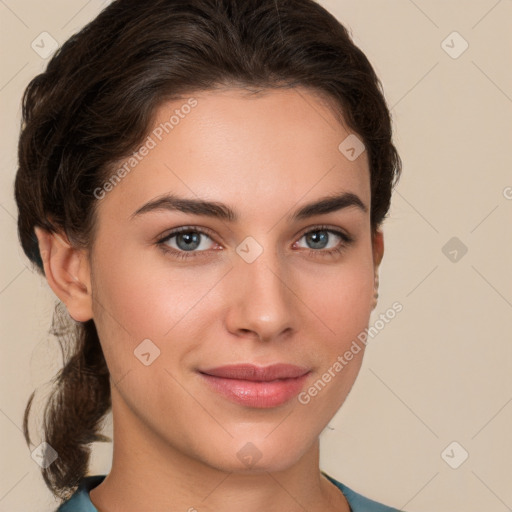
[[258, 454]]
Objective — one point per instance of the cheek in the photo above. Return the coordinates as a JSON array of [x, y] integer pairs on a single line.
[[342, 309], [137, 298], [144, 296], [339, 298], [347, 302]]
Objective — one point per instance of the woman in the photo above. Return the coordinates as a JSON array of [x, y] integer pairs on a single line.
[[203, 185]]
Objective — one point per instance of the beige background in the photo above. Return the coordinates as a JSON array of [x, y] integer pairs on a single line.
[[441, 370]]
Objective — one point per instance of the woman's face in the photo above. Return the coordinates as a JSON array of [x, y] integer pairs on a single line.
[[262, 286]]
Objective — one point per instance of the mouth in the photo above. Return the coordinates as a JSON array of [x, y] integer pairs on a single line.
[[255, 386]]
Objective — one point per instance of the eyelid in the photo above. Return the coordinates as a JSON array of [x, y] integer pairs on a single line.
[[325, 227], [162, 239], [212, 235]]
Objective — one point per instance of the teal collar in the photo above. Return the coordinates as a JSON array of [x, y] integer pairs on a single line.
[[81, 502]]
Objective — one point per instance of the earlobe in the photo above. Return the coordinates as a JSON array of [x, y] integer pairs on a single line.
[[67, 271]]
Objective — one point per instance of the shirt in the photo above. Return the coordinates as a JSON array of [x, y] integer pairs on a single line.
[[80, 501]]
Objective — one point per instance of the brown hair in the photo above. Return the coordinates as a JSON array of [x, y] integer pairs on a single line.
[[94, 105]]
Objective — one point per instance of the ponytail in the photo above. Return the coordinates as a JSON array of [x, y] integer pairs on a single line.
[[79, 400]]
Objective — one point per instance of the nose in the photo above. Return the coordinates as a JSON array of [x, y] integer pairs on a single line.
[[261, 301]]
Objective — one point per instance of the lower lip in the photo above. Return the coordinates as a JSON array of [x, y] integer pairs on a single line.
[[256, 393]]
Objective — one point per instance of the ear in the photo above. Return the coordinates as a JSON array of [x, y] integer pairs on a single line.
[[378, 249], [68, 273], [378, 253]]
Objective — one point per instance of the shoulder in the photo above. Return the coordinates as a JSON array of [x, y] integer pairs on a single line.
[[357, 502], [80, 501]]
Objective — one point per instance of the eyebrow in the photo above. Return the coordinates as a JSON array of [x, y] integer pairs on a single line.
[[322, 206]]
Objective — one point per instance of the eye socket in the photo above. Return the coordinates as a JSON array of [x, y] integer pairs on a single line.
[[323, 239], [189, 238], [311, 235], [186, 239]]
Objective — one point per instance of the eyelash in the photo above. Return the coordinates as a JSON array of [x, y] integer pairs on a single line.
[[184, 255]]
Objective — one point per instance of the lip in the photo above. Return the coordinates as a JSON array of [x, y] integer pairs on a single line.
[[256, 386]]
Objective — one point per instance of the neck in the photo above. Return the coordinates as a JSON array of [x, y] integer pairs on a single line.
[[150, 474]]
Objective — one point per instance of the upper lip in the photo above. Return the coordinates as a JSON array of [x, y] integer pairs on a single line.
[[257, 373]]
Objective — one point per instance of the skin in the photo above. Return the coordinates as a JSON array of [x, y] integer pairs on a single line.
[[176, 440]]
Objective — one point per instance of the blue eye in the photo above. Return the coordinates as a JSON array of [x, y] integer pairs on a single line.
[[188, 242], [319, 239], [185, 239], [323, 241]]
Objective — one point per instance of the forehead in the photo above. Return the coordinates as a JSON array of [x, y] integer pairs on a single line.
[[256, 150]]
